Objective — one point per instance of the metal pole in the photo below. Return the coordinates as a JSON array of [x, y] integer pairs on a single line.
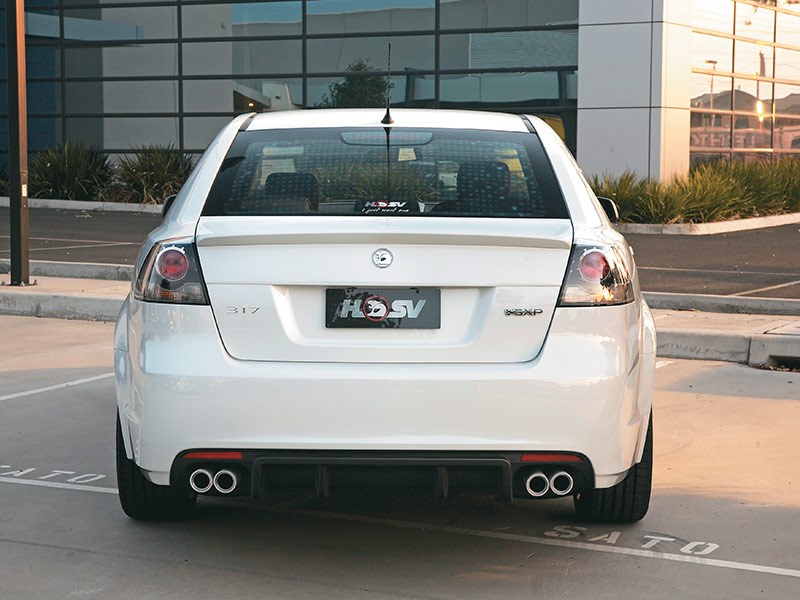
[[17, 141]]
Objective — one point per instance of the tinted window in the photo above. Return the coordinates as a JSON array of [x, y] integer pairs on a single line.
[[438, 172]]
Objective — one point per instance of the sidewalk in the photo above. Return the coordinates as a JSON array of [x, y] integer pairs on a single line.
[[754, 339]]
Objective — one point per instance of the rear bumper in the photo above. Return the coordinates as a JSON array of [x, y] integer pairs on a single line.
[[588, 392], [504, 474]]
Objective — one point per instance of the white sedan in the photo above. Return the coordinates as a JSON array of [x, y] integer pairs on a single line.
[[321, 309]]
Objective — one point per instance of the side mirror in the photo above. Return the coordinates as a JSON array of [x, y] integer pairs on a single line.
[[167, 204], [610, 208]]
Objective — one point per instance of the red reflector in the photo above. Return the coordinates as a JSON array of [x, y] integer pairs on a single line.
[[172, 264], [214, 455], [543, 457]]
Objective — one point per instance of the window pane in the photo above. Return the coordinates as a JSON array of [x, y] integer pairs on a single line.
[[753, 97], [120, 23], [711, 91], [787, 134], [753, 59], [354, 54], [711, 52], [509, 49], [40, 24], [755, 22], [43, 98], [787, 64], [787, 99], [715, 15], [140, 60], [337, 16], [414, 90], [696, 158], [788, 30], [122, 97], [236, 95], [242, 57], [243, 19], [43, 133], [505, 90], [199, 131], [752, 132], [472, 14], [442, 172], [710, 131], [122, 134], [41, 62]]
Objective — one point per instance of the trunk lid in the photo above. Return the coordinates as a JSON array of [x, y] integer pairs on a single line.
[[496, 282]]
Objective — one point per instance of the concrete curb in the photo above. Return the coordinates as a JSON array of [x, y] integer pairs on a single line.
[[756, 350], [709, 228], [624, 228], [62, 306], [723, 304], [74, 270], [82, 205]]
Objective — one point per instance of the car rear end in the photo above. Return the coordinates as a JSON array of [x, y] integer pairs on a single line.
[[326, 305]]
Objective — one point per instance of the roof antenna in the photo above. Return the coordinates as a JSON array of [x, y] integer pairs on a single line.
[[387, 118]]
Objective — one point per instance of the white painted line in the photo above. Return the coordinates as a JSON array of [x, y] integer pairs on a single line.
[[767, 289], [63, 486], [526, 539], [663, 363], [77, 240], [679, 270], [496, 535], [59, 386]]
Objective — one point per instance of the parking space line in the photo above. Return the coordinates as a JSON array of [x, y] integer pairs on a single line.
[[77, 240], [767, 289], [496, 535], [724, 271], [64, 486], [663, 363], [526, 539], [75, 247], [59, 386]]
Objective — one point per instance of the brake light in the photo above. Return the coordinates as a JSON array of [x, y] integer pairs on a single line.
[[598, 276], [171, 274]]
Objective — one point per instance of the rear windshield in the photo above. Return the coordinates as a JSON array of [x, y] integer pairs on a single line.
[[372, 172]]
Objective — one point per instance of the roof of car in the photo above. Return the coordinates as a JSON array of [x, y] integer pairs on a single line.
[[403, 117]]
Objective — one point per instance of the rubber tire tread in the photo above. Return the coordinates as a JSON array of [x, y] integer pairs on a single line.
[[143, 500], [626, 502]]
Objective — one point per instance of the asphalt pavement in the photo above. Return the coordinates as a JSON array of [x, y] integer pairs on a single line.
[[762, 263]]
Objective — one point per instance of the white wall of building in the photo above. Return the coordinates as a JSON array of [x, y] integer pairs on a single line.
[[633, 86]]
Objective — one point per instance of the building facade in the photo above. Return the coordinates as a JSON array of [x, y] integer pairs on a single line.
[[646, 85]]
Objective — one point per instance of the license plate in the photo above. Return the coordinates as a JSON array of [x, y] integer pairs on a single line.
[[410, 308]]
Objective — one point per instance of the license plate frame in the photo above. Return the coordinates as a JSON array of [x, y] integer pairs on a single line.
[[383, 308]]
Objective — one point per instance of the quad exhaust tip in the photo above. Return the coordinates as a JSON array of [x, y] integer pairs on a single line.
[[537, 484], [201, 480], [561, 483], [223, 481]]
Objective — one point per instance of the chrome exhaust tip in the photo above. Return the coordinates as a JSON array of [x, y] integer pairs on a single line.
[[225, 481], [561, 483], [537, 484], [201, 480]]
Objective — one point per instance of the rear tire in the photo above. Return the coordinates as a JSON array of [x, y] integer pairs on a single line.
[[144, 500], [625, 502]]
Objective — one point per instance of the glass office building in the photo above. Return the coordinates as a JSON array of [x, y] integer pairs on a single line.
[[745, 97], [645, 86], [116, 74]]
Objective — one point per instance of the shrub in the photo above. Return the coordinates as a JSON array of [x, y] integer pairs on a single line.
[[70, 171], [151, 174], [712, 191]]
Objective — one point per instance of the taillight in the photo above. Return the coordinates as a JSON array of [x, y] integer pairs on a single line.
[[598, 276], [171, 273]]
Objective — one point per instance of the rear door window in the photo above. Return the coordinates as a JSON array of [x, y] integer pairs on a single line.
[[373, 172]]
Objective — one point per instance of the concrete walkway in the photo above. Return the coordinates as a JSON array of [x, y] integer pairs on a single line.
[[757, 339]]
